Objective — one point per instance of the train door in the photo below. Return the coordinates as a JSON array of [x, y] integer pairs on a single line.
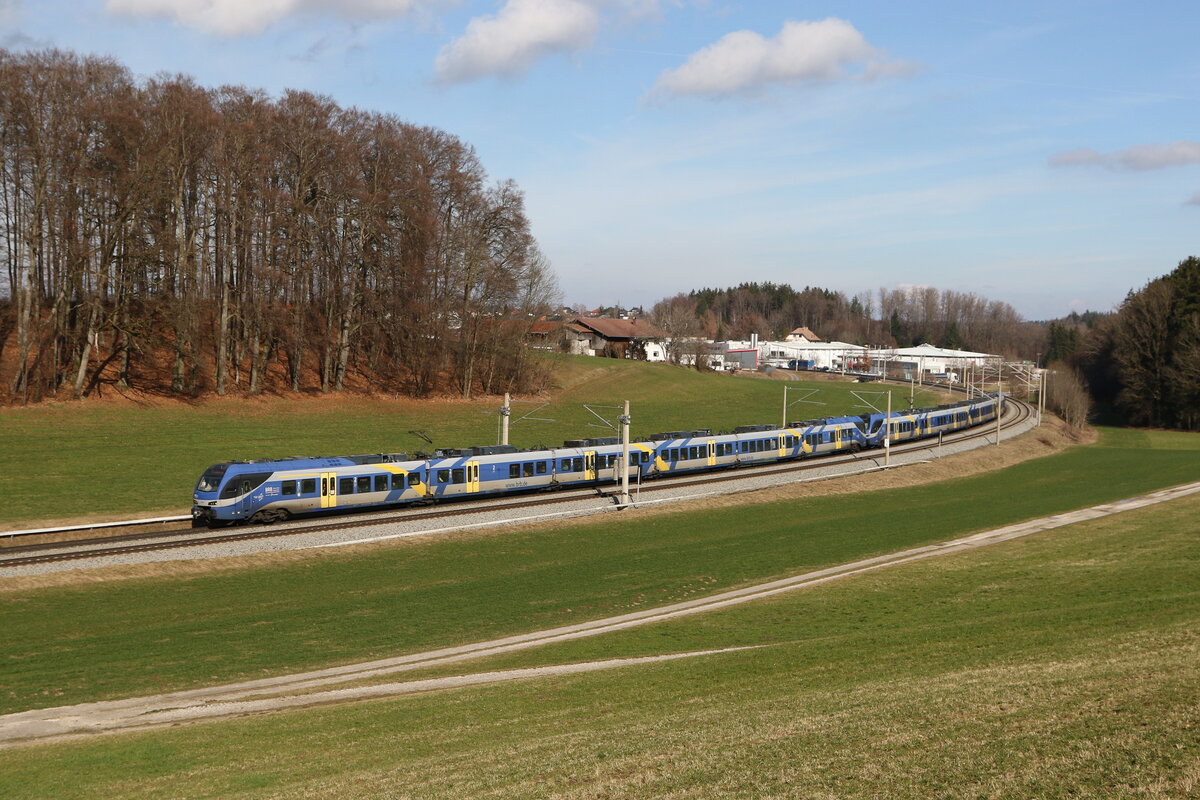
[[472, 477], [328, 490], [712, 454], [589, 465]]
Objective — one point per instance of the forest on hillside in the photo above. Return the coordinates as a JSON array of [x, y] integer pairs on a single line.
[[1143, 360], [171, 237]]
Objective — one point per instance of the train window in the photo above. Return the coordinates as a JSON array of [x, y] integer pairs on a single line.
[[414, 478], [363, 483], [346, 486], [514, 470], [243, 484], [527, 469], [210, 481], [645, 457], [381, 483], [579, 465], [633, 459], [287, 488], [458, 475], [443, 476], [541, 468], [324, 489], [308, 486]]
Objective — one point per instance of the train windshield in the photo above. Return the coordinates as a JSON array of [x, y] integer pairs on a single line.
[[211, 478]]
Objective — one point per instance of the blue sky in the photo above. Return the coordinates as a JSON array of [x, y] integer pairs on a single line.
[[1042, 153]]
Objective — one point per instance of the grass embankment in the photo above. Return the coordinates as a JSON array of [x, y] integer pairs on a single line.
[[104, 460], [136, 636], [1061, 665]]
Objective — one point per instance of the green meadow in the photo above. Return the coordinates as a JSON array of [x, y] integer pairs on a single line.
[[90, 460], [136, 636], [1065, 664]]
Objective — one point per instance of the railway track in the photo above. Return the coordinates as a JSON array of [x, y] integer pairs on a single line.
[[1016, 413]]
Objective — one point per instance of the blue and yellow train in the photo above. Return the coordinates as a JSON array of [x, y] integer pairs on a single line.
[[271, 491]]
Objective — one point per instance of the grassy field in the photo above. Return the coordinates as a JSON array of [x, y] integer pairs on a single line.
[[120, 459], [1062, 665], [144, 635]]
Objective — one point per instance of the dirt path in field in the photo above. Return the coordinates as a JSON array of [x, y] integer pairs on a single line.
[[310, 688]]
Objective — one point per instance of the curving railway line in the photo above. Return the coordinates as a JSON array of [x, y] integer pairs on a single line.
[[1016, 414]]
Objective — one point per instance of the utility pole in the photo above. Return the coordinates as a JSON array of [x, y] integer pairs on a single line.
[[1041, 396], [887, 434], [505, 413], [999, 406], [625, 456]]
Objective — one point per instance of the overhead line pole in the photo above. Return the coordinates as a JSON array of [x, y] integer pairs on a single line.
[[887, 434], [1041, 397], [625, 456], [505, 413], [999, 405]]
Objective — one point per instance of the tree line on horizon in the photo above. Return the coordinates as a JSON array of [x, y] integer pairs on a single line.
[[179, 238], [1140, 362], [891, 317]]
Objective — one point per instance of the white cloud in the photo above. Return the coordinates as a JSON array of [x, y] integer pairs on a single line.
[[246, 17], [1139, 157], [510, 41], [744, 61]]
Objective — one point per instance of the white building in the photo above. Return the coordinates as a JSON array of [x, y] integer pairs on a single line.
[[801, 354], [927, 359]]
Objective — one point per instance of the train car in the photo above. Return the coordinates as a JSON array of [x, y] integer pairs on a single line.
[[269, 491]]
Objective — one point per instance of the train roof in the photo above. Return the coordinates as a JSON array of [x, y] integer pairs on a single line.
[[669, 435]]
